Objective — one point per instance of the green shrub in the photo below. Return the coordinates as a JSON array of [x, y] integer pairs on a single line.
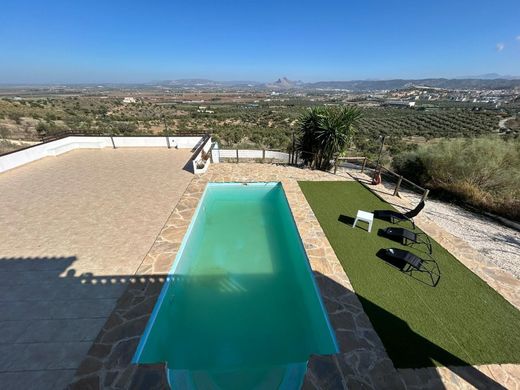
[[484, 172], [325, 132]]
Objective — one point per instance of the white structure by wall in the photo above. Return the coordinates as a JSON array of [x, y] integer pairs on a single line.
[[215, 153], [200, 163], [63, 145]]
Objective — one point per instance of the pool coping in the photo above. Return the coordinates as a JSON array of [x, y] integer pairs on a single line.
[[362, 360]]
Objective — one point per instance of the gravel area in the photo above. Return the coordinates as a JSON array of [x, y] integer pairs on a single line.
[[498, 243]]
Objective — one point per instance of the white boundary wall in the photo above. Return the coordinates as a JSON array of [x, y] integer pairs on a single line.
[[253, 154], [63, 145]]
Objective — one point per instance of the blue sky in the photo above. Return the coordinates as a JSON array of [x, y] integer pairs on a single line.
[[127, 41]]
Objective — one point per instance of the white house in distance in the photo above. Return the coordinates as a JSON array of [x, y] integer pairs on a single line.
[[127, 100], [205, 110], [399, 103]]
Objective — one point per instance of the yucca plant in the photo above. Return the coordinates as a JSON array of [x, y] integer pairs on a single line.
[[324, 133]]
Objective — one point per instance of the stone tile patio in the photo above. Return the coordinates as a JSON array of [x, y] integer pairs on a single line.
[[62, 219], [362, 361]]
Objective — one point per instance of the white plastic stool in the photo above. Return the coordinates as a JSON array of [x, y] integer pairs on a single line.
[[364, 216]]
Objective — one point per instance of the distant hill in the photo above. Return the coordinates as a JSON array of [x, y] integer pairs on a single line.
[[283, 83], [490, 76], [378, 85], [204, 83]]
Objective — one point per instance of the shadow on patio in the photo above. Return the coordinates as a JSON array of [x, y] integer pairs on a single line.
[[48, 343]]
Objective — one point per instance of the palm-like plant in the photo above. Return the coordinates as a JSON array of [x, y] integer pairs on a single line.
[[324, 133]]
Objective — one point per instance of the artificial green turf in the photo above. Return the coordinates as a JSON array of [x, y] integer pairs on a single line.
[[460, 321]]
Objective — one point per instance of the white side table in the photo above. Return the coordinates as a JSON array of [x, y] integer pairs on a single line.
[[364, 216]]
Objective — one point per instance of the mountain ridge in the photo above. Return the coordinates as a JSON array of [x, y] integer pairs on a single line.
[[489, 81]]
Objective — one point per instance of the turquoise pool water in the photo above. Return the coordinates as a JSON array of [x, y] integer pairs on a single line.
[[240, 309]]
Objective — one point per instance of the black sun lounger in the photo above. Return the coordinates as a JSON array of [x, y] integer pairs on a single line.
[[407, 237], [396, 217], [415, 263]]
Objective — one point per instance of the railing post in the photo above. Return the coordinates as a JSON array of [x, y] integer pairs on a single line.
[[364, 164], [168, 142], [396, 191], [425, 195], [335, 164], [263, 156], [237, 155], [113, 144]]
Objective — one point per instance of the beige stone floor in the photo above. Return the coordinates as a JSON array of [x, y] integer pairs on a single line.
[[85, 212]]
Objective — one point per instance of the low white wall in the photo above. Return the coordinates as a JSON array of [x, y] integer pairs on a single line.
[[184, 142], [67, 144]]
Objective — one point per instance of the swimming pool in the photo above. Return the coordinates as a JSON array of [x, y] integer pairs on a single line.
[[240, 308]]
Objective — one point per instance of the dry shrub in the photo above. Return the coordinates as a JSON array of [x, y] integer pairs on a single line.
[[484, 172]]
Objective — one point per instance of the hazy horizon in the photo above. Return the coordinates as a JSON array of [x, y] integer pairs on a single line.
[[151, 82], [118, 42]]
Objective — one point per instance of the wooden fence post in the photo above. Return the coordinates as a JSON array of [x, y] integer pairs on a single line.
[[237, 155], [364, 164], [263, 156], [396, 191]]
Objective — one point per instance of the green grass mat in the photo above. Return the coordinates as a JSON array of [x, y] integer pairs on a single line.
[[461, 321]]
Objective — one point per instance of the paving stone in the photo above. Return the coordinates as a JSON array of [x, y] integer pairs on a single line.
[[88, 383], [88, 366], [12, 330], [325, 371], [149, 377], [122, 353], [35, 380], [85, 329], [50, 356], [98, 350], [131, 328], [110, 376]]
